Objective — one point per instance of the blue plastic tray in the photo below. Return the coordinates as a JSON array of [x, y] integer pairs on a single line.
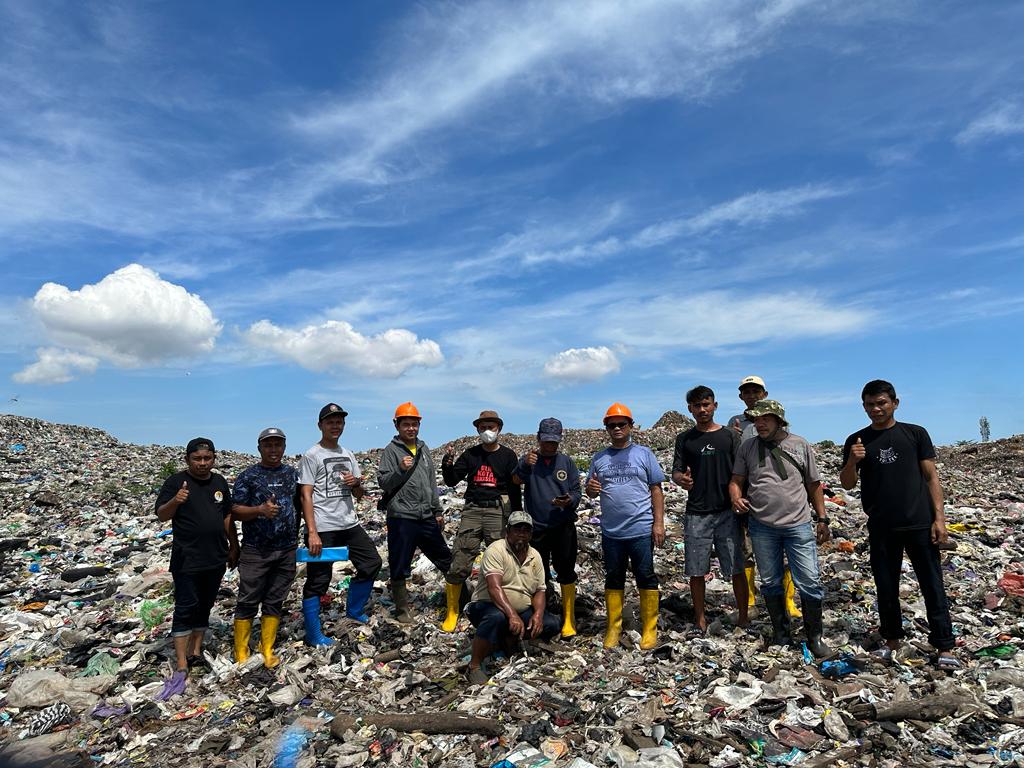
[[328, 555]]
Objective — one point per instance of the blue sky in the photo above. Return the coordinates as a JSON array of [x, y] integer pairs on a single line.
[[218, 217]]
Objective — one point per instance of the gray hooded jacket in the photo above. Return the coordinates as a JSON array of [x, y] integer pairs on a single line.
[[417, 499]]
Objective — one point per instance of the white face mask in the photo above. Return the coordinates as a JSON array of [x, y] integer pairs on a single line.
[[489, 436]]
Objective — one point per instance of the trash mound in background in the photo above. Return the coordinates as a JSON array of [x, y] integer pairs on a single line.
[[85, 605]]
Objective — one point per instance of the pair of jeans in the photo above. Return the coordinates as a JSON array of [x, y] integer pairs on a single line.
[[801, 550], [492, 624], [405, 535], [887, 548], [638, 552], [264, 577], [361, 553], [194, 596], [560, 546]]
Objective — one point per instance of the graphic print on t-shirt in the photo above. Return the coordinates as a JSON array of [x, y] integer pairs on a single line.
[[485, 477], [336, 467], [887, 456], [620, 473]]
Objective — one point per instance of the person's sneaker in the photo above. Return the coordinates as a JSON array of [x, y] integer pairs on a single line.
[[948, 662], [478, 677]]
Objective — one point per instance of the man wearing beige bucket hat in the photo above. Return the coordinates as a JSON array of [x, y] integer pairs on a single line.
[[491, 495]]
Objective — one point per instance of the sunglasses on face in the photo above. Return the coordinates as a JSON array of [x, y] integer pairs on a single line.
[[612, 425]]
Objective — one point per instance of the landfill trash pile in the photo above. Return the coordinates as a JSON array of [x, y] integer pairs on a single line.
[[85, 614]]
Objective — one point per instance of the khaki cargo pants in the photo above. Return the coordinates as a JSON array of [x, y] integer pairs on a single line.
[[479, 525]]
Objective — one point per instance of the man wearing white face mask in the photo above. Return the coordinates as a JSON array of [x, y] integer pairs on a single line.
[[491, 496]]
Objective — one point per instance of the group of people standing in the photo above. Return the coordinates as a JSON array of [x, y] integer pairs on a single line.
[[753, 488]]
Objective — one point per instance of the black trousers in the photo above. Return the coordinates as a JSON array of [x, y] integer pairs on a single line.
[[558, 545], [403, 538], [264, 577], [887, 548], [361, 553]]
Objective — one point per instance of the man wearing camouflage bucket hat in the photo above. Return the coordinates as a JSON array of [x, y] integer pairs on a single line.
[[775, 479]]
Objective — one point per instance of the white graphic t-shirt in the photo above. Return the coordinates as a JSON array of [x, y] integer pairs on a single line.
[[323, 468]]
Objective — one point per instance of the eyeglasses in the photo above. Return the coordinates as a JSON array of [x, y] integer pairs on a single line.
[[612, 425]]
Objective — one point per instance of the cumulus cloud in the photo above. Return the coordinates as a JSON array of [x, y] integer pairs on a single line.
[[130, 318], [336, 342], [1005, 119], [585, 364], [56, 366]]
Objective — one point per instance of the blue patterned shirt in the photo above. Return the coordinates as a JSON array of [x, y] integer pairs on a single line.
[[255, 486]]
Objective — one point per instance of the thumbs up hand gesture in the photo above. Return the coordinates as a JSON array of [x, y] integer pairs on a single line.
[[407, 462], [531, 457], [857, 452], [182, 495], [270, 507]]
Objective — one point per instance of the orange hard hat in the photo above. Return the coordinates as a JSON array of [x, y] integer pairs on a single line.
[[407, 411], [618, 409]]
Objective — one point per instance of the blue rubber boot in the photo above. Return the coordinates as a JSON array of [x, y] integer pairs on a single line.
[[311, 614], [358, 595]]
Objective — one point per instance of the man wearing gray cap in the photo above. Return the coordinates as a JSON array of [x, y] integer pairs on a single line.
[[510, 596], [775, 479], [263, 501], [551, 494]]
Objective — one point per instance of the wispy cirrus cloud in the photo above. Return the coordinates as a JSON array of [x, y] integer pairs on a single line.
[[589, 237], [472, 60], [1002, 120]]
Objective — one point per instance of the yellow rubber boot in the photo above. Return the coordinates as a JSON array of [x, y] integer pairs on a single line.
[[268, 636], [648, 618], [243, 629], [451, 619], [613, 602], [790, 592], [568, 610], [751, 586]]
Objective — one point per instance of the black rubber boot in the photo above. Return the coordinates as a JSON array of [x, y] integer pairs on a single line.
[[812, 626], [776, 605], [400, 594]]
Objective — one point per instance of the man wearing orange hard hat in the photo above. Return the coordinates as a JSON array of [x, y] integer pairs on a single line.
[[407, 477], [628, 479]]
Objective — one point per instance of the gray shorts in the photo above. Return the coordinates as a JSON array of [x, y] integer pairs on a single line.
[[720, 529]]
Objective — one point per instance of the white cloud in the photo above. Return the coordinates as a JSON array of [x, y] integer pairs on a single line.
[[587, 240], [716, 319], [56, 366], [1005, 119], [130, 318], [449, 60], [335, 342], [586, 364]]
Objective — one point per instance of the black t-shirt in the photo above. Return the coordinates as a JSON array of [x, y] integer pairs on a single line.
[[709, 456], [893, 489], [199, 543], [487, 473]]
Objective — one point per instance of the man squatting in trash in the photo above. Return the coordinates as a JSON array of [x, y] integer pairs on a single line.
[[197, 501], [902, 497], [775, 479], [491, 495], [702, 466], [628, 479], [413, 510], [330, 482], [551, 495], [264, 502], [510, 595]]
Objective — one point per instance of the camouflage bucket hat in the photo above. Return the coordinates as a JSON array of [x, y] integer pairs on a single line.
[[767, 408]]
